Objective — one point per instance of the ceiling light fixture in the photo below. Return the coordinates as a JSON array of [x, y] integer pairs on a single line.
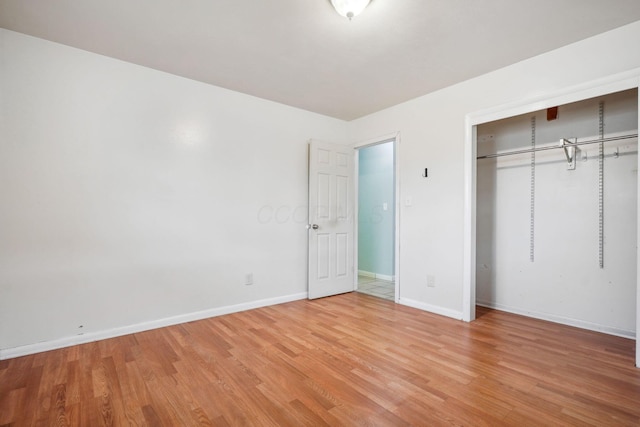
[[349, 8]]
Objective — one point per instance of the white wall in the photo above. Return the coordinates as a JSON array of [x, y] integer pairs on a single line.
[[565, 282], [131, 195], [432, 131]]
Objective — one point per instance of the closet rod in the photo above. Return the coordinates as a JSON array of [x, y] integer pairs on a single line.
[[553, 147]]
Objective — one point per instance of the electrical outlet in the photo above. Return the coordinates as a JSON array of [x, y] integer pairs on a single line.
[[431, 281], [248, 279]]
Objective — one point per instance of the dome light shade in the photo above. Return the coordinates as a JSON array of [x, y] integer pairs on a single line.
[[349, 8]]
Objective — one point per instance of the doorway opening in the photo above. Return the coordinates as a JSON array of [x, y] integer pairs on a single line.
[[376, 219]]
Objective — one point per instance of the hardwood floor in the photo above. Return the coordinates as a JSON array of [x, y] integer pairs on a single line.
[[351, 359]]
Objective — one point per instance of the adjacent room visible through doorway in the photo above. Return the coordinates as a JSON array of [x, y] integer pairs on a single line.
[[376, 220]]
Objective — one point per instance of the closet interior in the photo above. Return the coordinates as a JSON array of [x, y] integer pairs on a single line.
[[557, 213]]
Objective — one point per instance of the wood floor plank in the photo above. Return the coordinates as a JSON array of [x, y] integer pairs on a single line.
[[351, 359]]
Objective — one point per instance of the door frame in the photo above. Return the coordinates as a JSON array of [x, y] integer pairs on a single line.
[[611, 84], [395, 139]]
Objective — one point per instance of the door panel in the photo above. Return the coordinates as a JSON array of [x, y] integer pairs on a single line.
[[331, 219]]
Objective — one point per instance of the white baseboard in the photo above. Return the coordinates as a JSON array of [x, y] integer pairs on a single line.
[[431, 308], [144, 326], [560, 319], [376, 275], [366, 274]]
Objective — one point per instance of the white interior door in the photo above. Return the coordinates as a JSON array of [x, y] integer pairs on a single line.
[[331, 219]]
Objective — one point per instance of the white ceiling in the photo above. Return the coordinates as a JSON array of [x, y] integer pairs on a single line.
[[302, 53]]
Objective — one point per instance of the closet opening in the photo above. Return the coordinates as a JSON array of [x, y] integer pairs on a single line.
[[556, 218]]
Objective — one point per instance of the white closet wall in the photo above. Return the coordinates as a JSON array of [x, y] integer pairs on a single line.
[[564, 282]]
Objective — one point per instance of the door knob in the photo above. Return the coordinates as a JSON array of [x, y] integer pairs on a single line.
[[314, 226]]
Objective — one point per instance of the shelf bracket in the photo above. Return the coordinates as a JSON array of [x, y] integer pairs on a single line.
[[569, 146]]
